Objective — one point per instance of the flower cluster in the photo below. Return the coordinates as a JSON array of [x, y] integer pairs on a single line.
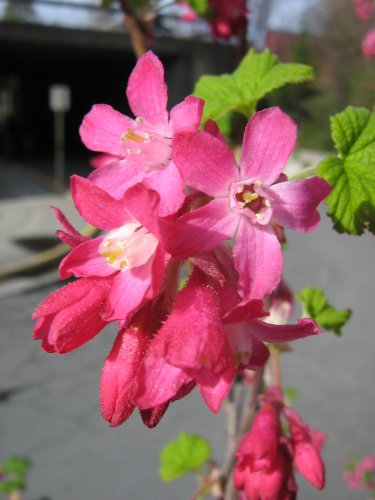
[[364, 10], [188, 254], [265, 456], [362, 475]]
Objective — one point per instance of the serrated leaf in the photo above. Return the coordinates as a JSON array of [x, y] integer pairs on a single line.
[[257, 75], [18, 466], [187, 453], [351, 204], [317, 307]]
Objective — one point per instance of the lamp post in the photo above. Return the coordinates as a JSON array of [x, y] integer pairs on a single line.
[[59, 104]]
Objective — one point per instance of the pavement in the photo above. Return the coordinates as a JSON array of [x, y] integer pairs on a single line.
[[49, 404]]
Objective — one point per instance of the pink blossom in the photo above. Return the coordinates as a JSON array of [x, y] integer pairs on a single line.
[[247, 201], [264, 465], [362, 474], [228, 18], [368, 44], [363, 9], [141, 148]]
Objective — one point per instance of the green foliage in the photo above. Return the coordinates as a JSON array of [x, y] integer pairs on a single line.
[[351, 204], [317, 307], [256, 76], [291, 393], [187, 453], [13, 474], [201, 7]]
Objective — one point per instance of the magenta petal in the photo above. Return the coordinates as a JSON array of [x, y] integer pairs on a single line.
[[215, 389], [117, 177], [147, 91], [143, 206], [85, 260], [127, 292], [158, 381], [118, 382], [186, 116], [102, 128], [152, 416], [259, 355], [101, 160], [269, 139], [284, 333], [257, 258], [96, 206], [246, 310], [205, 163], [295, 203], [212, 128], [201, 230], [72, 315], [70, 236], [169, 184]]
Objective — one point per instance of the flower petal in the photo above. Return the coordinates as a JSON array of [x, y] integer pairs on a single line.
[[269, 139], [117, 177], [215, 389], [147, 91], [143, 206], [169, 184], [205, 163], [96, 206], [127, 292], [85, 260], [294, 203], [200, 230], [70, 236], [118, 382], [284, 333], [257, 258], [186, 116], [72, 315], [152, 416], [102, 128]]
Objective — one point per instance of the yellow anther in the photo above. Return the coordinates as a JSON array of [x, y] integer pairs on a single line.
[[130, 135], [249, 197]]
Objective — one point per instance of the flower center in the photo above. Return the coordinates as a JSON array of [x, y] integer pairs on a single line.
[[150, 144], [129, 246], [250, 199]]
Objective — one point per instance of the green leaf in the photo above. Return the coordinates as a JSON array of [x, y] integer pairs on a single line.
[[317, 307], [12, 485], [256, 76], [351, 204], [291, 393], [18, 466], [187, 453], [201, 7]]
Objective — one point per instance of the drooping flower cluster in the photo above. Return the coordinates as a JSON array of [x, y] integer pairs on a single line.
[[265, 456], [364, 10], [168, 198], [361, 475]]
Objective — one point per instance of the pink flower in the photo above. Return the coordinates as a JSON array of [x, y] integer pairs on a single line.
[[210, 334], [247, 201], [306, 445], [363, 9], [264, 464], [228, 18], [118, 271], [368, 44], [141, 148], [362, 474]]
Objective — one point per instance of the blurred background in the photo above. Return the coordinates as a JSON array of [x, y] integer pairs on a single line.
[[58, 58]]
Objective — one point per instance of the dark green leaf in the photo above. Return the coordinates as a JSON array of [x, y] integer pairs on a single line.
[[351, 204], [18, 466]]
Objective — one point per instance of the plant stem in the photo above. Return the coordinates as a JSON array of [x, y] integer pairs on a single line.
[[276, 368], [306, 172], [136, 30], [241, 429]]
